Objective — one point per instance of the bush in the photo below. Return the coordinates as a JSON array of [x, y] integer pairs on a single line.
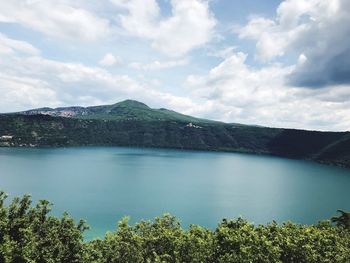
[[31, 234]]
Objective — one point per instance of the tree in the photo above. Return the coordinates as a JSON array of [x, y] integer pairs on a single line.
[[343, 220], [30, 234]]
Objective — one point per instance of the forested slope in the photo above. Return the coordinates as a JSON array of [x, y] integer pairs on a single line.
[[44, 131]]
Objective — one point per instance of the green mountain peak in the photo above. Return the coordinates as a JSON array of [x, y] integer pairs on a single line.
[[130, 103], [122, 111]]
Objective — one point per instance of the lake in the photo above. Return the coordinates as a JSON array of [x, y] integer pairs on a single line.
[[103, 184]]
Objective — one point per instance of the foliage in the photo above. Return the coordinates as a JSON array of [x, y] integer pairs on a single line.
[[343, 220], [31, 234]]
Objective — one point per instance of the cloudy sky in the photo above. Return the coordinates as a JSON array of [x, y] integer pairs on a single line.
[[272, 62]]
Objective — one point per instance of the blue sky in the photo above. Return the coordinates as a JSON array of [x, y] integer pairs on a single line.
[[272, 63]]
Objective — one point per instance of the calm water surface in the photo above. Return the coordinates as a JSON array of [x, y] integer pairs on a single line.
[[104, 184]]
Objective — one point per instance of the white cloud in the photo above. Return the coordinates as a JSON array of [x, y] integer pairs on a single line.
[[270, 41], [235, 92], [318, 31], [8, 45], [158, 65], [223, 53], [109, 60], [58, 19], [191, 24], [18, 93], [28, 81]]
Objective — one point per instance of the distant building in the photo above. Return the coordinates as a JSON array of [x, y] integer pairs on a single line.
[[6, 137], [191, 125]]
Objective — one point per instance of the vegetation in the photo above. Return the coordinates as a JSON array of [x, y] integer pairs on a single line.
[[121, 111], [31, 234], [343, 220], [131, 123]]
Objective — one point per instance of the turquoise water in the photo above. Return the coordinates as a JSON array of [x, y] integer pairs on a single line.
[[102, 184]]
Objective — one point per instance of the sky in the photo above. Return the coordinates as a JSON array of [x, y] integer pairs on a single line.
[[271, 63]]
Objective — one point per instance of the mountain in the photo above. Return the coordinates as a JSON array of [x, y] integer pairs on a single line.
[[125, 110], [132, 123]]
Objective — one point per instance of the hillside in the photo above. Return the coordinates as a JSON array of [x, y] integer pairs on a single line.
[[125, 110], [132, 123]]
